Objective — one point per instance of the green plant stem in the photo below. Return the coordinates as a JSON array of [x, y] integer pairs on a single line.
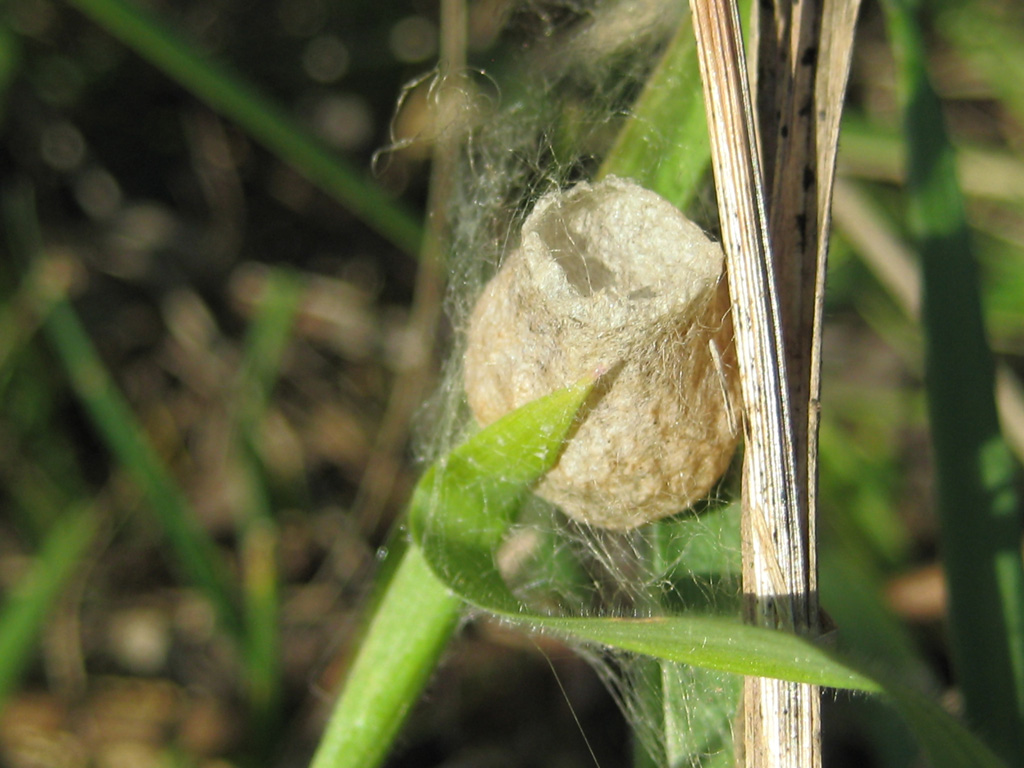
[[33, 597], [234, 98], [979, 511], [408, 634]]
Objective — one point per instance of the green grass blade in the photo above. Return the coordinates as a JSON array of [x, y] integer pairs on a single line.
[[664, 146], [234, 98], [464, 503], [694, 708], [262, 651], [32, 598], [265, 343], [463, 506], [988, 36], [979, 510], [409, 632], [193, 549], [718, 643]]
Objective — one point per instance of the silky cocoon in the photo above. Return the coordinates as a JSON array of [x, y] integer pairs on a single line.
[[610, 276]]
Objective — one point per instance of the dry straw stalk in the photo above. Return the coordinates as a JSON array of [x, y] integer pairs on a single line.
[[776, 298]]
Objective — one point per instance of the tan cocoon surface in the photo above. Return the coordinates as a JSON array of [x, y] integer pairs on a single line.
[[611, 276]]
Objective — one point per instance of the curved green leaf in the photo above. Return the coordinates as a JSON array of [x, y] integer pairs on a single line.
[[417, 613], [477, 488], [464, 504]]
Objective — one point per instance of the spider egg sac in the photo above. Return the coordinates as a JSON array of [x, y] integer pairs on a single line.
[[611, 276]]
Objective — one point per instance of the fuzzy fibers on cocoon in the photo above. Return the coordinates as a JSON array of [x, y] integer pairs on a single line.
[[610, 276]]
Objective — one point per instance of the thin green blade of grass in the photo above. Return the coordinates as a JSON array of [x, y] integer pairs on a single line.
[[194, 551], [236, 99], [33, 597], [265, 344], [674, 702], [695, 707], [262, 356], [978, 507], [665, 145], [462, 508], [192, 548], [261, 654]]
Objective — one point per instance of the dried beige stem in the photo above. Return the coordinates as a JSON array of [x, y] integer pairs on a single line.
[[804, 52], [800, 98], [378, 482], [771, 497]]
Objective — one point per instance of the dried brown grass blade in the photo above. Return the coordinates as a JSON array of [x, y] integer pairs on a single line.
[[780, 719], [804, 52]]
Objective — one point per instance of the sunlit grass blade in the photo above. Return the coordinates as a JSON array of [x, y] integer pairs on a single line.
[[664, 146], [409, 632], [461, 510], [193, 550], [464, 503], [262, 119], [30, 601], [979, 509]]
